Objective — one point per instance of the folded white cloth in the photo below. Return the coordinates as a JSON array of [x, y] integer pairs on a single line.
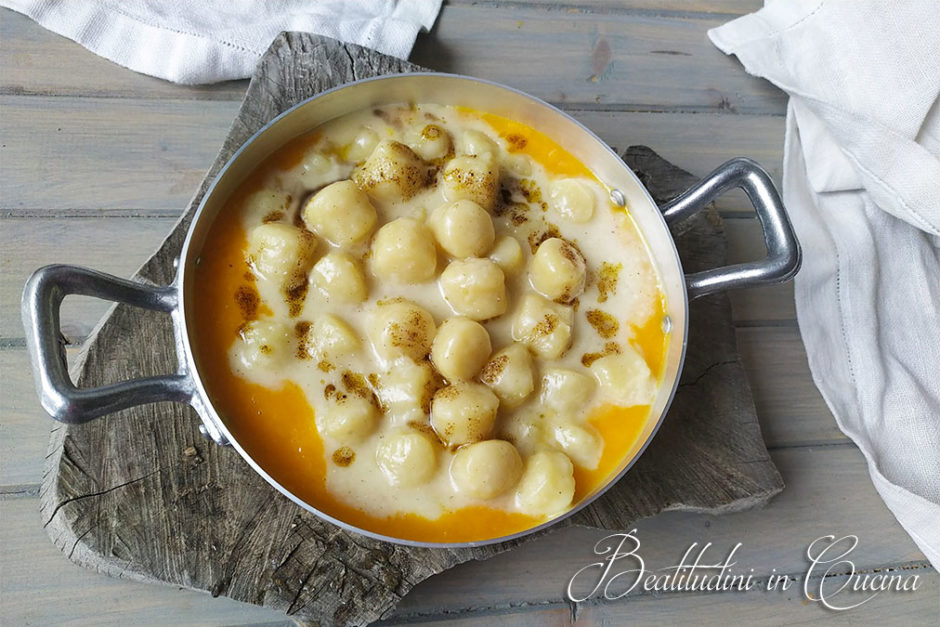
[[207, 41], [861, 180]]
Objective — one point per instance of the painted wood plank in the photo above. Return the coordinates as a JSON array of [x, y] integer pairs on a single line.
[[763, 305], [756, 607], [41, 587], [774, 608], [146, 156], [628, 60], [106, 153], [115, 245], [37, 61], [785, 395], [828, 492]]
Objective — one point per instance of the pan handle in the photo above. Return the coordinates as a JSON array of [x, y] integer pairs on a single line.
[[783, 249], [65, 402]]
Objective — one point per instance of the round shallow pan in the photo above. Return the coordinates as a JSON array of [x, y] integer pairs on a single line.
[[49, 285]]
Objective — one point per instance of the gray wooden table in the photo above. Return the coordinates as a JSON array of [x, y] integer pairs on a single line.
[[97, 161]]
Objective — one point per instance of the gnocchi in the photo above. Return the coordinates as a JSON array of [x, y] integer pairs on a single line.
[[557, 270], [340, 278], [486, 469], [472, 177], [402, 329], [460, 348], [281, 253], [263, 344], [407, 459], [625, 378], [431, 143], [507, 254], [573, 200], [392, 173], [579, 443], [547, 484], [544, 326], [509, 374], [330, 338], [347, 418], [463, 229], [565, 390], [403, 252], [405, 390], [340, 213], [362, 145], [458, 304], [463, 412], [475, 288]]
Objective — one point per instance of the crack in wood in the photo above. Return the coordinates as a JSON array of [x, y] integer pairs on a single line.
[[82, 497]]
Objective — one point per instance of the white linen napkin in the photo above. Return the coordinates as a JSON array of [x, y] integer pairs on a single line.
[[207, 41], [861, 180]]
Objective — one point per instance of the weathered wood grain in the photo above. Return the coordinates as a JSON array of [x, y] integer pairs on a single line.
[[144, 157], [38, 62], [627, 61], [98, 497], [533, 575], [115, 245]]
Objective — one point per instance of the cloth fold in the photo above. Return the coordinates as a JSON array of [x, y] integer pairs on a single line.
[[218, 40], [861, 181]]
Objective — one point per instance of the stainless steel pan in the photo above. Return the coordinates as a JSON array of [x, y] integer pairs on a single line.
[[46, 289]]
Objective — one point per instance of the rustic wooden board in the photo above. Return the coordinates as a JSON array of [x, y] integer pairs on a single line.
[[140, 495]]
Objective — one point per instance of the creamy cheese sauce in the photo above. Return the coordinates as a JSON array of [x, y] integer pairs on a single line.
[[272, 391]]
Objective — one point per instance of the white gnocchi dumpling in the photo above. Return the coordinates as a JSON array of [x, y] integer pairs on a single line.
[[330, 337], [557, 270], [463, 412], [573, 200], [477, 144], [392, 173], [264, 204], [547, 484], [525, 429], [473, 178], [316, 169], [407, 459], [486, 469], [625, 378], [347, 418], [566, 391], [401, 328], [362, 145], [544, 326], [340, 213], [281, 252], [430, 142], [340, 278], [463, 228], [580, 443], [507, 254], [475, 288], [509, 373], [460, 348], [405, 390], [263, 344], [403, 251]]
